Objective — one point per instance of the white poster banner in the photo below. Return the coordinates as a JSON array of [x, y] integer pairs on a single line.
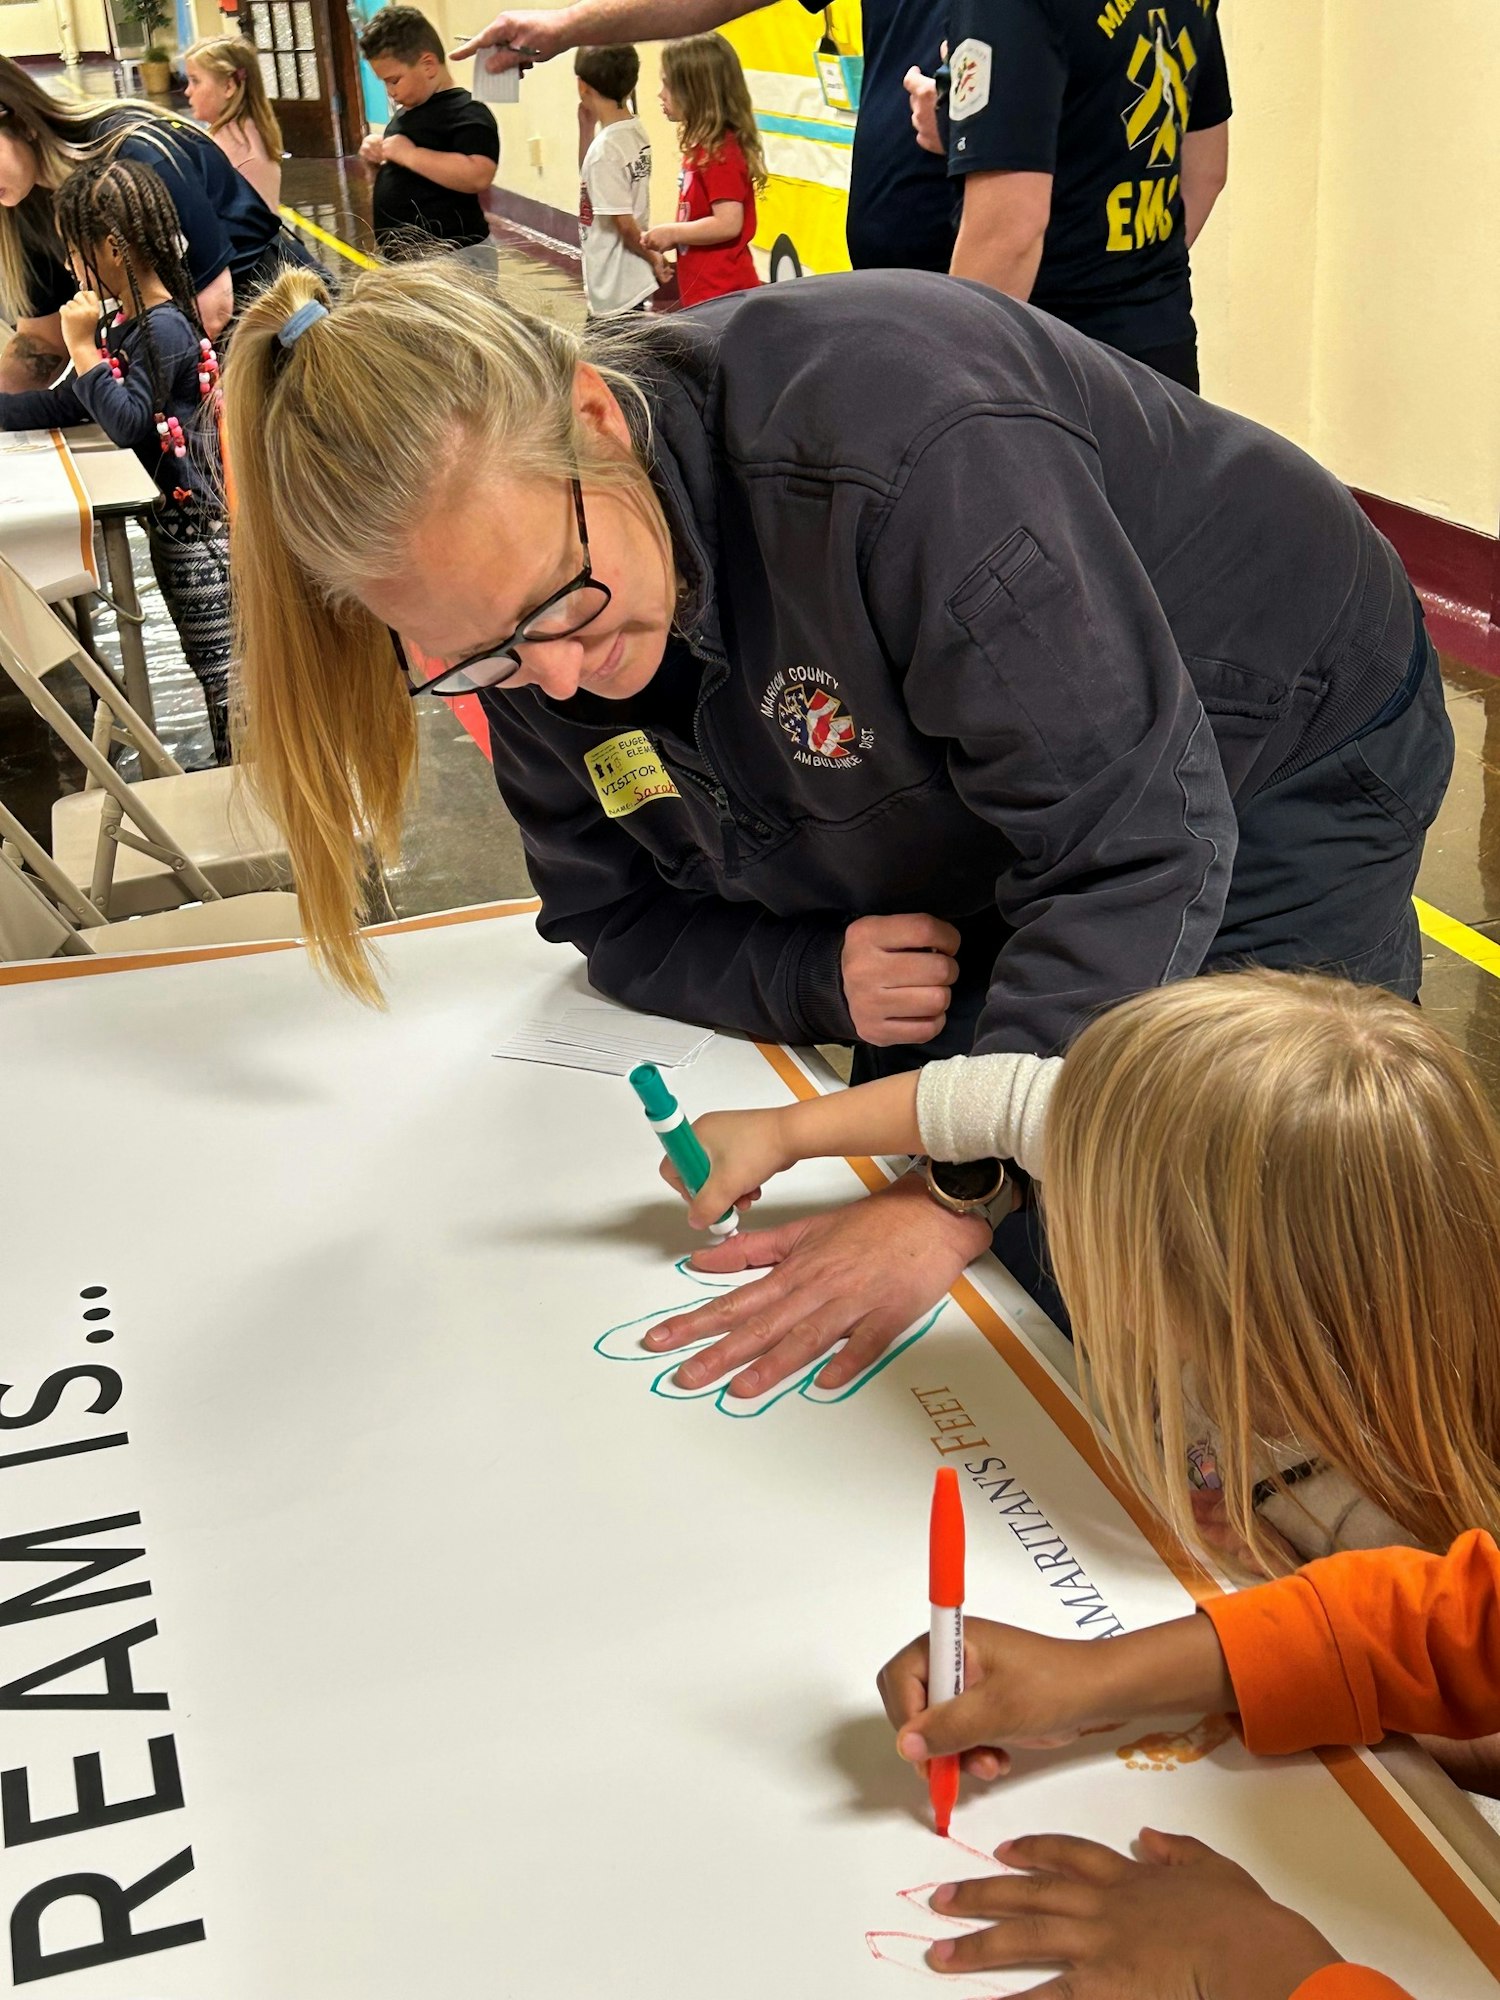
[[378, 1620]]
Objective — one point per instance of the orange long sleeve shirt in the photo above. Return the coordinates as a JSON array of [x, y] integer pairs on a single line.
[[1356, 1646]]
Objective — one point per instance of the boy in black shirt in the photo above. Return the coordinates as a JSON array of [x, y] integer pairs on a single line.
[[440, 148]]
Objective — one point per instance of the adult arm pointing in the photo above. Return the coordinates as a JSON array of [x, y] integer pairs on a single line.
[[516, 40]]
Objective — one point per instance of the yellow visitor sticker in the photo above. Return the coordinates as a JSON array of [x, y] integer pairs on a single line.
[[628, 774]]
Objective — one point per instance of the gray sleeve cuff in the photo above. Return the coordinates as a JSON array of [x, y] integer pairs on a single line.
[[971, 1107]]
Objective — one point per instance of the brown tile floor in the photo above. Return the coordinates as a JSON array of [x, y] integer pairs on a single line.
[[461, 846]]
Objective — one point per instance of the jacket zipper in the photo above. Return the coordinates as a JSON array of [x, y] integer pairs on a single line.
[[710, 786]]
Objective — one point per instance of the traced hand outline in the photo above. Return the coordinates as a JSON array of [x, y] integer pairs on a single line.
[[907, 1950], [623, 1343]]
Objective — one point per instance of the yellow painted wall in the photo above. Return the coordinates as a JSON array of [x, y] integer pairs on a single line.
[[1348, 284], [38, 27], [548, 113]]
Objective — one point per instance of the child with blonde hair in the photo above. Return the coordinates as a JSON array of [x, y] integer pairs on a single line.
[[705, 95], [1276, 1197], [226, 92]]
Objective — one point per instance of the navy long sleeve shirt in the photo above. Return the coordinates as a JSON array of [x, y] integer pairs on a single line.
[[126, 410]]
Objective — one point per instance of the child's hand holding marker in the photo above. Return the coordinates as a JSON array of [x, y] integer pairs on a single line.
[[1172, 1924], [1023, 1691], [747, 1148]]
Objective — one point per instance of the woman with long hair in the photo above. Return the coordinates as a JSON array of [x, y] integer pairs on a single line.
[[147, 374], [235, 244], [873, 660]]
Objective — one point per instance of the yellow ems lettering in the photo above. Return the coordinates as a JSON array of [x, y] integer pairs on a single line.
[[1140, 212]]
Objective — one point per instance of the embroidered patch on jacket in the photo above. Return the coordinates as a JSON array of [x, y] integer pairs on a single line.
[[628, 774], [969, 69], [806, 703]]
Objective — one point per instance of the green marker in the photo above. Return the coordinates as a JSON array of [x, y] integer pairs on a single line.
[[679, 1141]]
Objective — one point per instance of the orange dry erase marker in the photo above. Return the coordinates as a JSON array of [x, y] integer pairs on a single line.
[[945, 1645]]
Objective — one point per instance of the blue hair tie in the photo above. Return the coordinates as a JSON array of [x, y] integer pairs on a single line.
[[300, 321]]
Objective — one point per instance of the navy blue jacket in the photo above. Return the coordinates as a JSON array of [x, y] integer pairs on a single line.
[[987, 618]]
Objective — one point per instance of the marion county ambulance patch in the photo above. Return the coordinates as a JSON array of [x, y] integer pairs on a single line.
[[969, 69], [807, 704], [628, 774]]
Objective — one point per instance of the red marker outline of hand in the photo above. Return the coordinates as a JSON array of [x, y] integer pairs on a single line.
[[994, 1985]]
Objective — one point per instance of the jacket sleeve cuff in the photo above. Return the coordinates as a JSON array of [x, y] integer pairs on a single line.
[[816, 986], [1289, 1681], [1349, 1982]]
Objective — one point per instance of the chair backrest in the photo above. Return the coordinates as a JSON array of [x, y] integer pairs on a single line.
[[29, 926], [29, 627], [36, 641], [33, 642]]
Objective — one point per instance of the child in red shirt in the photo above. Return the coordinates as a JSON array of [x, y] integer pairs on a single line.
[[705, 95]]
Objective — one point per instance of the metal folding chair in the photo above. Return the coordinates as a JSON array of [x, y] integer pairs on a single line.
[[43, 915], [173, 837]]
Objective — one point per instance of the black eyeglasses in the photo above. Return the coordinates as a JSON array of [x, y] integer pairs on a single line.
[[565, 612]]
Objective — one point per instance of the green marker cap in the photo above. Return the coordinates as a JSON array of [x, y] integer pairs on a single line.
[[650, 1087]]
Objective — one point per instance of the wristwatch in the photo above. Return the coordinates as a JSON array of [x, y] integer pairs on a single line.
[[969, 1187]]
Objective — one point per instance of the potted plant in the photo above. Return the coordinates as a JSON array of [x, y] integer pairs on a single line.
[[149, 18]]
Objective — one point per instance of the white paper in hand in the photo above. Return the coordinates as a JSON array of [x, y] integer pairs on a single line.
[[495, 86]]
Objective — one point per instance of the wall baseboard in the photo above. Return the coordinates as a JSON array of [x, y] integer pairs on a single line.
[[1457, 575], [540, 230], [543, 231]]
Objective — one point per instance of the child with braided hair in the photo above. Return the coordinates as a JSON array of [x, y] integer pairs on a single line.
[[148, 376]]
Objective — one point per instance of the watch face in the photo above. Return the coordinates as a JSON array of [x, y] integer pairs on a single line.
[[968, 1180]]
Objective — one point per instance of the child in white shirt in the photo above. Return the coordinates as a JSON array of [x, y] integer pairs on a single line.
[[614, 202]]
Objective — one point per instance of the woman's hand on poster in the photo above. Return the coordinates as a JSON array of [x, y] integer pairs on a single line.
[[1180, 1923], [861, 1274], [897, 974]]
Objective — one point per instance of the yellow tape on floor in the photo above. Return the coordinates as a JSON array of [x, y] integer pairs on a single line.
[[1449, 932], [320, 235]]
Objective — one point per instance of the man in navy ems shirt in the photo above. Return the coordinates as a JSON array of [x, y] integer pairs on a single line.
[[1091, 141], [902, 209]]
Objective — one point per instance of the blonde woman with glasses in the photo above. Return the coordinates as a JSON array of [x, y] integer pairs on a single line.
[[873, 660]]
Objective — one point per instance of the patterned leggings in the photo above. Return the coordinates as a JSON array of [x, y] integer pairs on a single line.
[[190, 555]]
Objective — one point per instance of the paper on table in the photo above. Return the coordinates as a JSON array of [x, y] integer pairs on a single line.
[[46, 523], [597, 1034]]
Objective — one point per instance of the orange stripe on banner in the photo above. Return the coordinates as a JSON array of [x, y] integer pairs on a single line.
[[1467, 1913], [145, 961], [85, 511]]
